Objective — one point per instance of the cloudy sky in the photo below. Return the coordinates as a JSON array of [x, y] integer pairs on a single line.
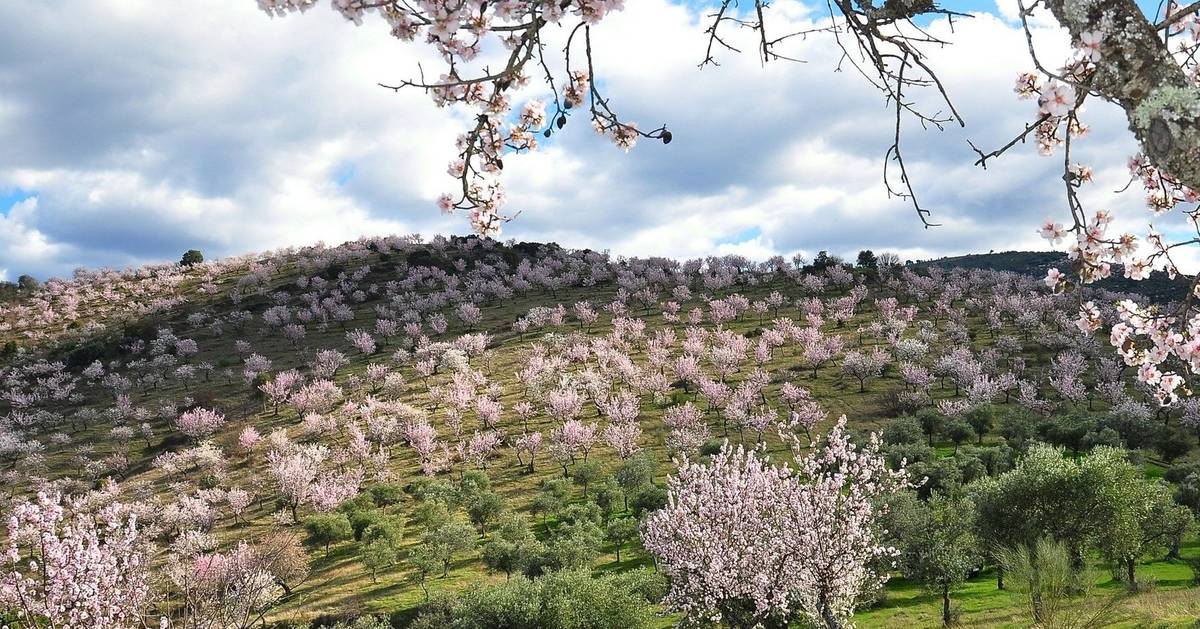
[[133, 130]]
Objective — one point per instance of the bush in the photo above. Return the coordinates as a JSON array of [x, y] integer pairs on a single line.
[[362, 519], [637, 472], [1176, 473], [903, 429], [484, 508], [650, 498], [362, 622], [1172, 445], [587, 473], [958, 431]]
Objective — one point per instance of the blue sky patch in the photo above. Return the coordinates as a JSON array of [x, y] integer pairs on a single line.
[[344, 174], [746, 235], [12, 196]]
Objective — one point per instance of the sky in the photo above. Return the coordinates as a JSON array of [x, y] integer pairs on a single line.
[[134, 130]]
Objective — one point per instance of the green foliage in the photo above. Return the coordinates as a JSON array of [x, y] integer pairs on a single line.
[[191, 257], [431, 515], [941, 474], [1056, 593], [1171, 445], [9, 291], [620, 532], [378, 554], [608, 496], [637, 472], [512, 547], [912, 453], [996, 459], [473, 482], [484, 507], [905, 429], [585, 512], [326, 528], [1099, 501], [362, 519], [931, 422], [386, 494], [981, 418], [28, 283], [573, 545], [939, 547], [545, 504], [1017, 427], [562, 600], [1103, 437], [822, 261], [390, 529], [650, 498], [1179, 471], [586, 473], [446, 542], [958, 431], [438, 491]]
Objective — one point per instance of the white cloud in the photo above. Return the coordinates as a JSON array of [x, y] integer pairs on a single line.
[[209, 125]]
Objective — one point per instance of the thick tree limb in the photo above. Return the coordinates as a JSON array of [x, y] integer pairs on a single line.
[[1138, 72]]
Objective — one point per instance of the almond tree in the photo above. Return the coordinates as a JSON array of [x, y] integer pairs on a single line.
[[67, 567], [752, 544], [199, 422]]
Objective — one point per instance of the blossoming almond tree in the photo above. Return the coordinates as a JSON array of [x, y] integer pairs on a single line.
[[751, 544], [66, 567]]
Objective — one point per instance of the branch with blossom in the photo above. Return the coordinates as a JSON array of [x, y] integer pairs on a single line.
[[459, 31]]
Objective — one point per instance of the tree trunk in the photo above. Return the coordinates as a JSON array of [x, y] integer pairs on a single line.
[[945, 606], [1139, 74]]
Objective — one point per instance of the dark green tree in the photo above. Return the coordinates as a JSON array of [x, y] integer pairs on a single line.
[[326, 528], [191, 257], [620, 531]]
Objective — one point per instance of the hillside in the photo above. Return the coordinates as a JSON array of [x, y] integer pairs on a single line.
[[460, 400], [1159, 287]]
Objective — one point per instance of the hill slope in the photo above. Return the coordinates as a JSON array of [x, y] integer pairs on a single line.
[[412, 365], [1158, 287]]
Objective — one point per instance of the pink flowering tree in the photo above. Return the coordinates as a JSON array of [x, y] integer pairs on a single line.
[[199, 423], [67, 567], [820, 350], [362, 341], [278, 390], [688, 429], [571, 440], [804, 412], [530, 443], [749, 544], [623, 437], [863, 366]]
